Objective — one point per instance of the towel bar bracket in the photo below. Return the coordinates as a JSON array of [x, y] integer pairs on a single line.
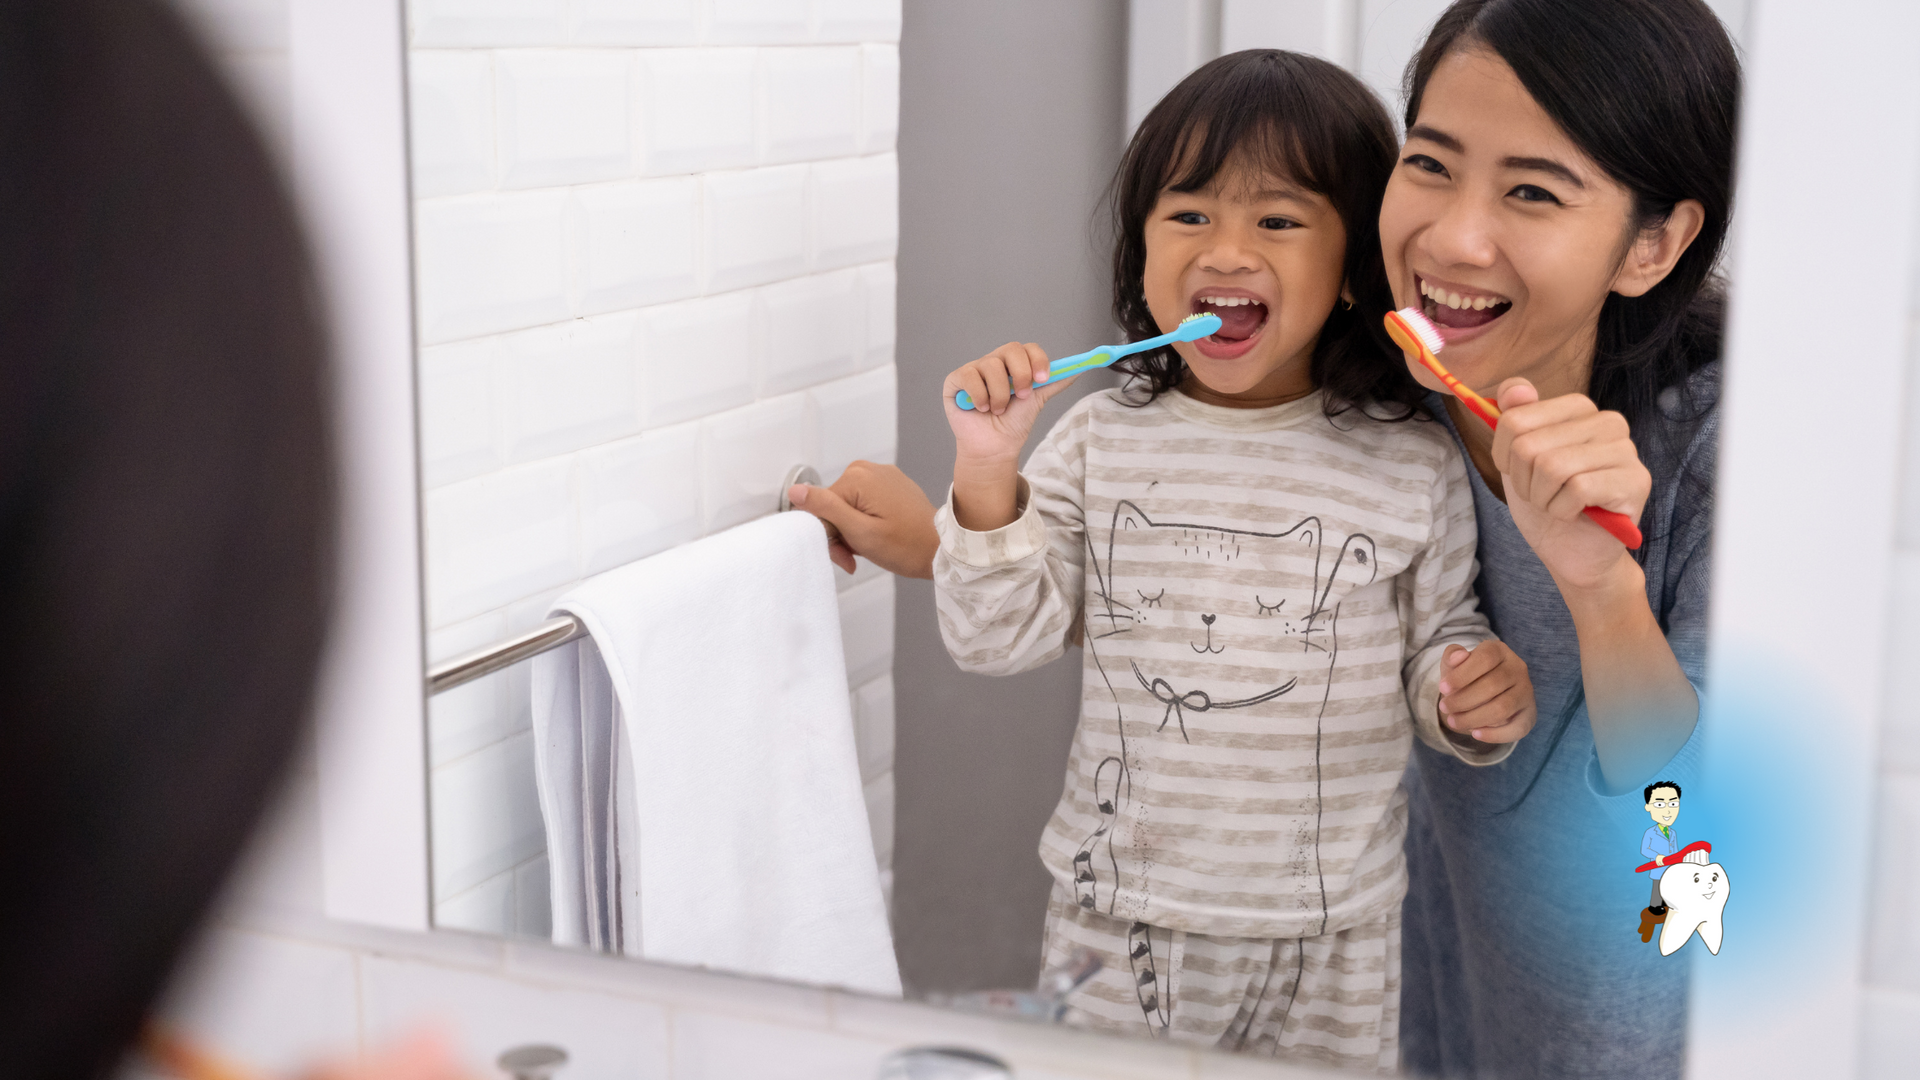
[[799, 474], [553, 633]]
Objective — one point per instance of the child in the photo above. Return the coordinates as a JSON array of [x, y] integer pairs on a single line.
[[1270, 561]]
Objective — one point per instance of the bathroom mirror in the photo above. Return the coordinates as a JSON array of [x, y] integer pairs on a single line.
[[667, 253], [518, 165]]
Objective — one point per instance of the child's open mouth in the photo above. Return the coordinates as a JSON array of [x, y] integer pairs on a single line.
[[1242, 316], [1460, 311]]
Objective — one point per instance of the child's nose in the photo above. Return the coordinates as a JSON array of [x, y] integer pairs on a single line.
[[1208, 619], [1226, 255]]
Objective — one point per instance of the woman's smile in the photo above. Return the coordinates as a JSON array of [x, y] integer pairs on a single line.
[[1457, 309]]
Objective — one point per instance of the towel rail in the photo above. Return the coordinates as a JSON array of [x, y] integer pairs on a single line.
[[551, 634]]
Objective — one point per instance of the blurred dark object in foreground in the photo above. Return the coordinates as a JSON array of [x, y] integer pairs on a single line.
[[165, 511]]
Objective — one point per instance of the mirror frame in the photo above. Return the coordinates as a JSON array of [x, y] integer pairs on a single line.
[[350, 169]]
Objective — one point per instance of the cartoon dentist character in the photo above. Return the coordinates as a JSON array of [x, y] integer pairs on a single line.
[[1660, 844], [1689, 890]]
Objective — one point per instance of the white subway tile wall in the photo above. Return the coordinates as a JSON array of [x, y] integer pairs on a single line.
[[655, 245]]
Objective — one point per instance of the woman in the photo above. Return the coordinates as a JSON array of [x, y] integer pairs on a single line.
[[1565, 189]]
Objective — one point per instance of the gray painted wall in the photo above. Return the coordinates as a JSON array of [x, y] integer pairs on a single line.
[[1010, 114]]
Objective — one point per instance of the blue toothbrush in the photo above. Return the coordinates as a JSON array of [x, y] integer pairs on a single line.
[[1191, 328]]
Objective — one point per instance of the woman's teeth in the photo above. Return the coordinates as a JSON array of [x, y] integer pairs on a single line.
[[1455, 300]]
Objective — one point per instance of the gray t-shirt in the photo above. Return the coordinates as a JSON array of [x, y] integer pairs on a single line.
[[1522, 952]]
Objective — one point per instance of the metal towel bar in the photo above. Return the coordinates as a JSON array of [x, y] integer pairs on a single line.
[[551, 634]]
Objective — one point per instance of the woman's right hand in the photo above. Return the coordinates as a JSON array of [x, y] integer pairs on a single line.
[[987, 441]]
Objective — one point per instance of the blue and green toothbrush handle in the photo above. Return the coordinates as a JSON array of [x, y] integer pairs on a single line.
[[1191, 328]]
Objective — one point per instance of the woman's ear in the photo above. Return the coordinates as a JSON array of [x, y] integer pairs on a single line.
[[1652, 256]]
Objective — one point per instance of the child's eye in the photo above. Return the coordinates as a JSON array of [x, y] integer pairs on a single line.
[[1278, 223], [1425, 164], [1191, 217], [1533, 194]]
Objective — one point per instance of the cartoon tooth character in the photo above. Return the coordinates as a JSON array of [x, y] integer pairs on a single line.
[[1695, 892]]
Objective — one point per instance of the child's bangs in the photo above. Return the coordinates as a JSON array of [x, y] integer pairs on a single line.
[[1267, 136]]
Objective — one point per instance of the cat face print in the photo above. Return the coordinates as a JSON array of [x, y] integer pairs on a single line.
[[1217, 590], [1182, 602]]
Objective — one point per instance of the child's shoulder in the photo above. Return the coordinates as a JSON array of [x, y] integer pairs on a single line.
[[1419, 440], [1098, 408]]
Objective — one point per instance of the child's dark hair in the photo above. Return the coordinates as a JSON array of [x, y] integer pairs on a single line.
[[1313, 123], [1650, 89]]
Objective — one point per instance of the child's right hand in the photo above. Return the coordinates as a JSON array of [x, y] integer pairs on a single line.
[[1003, 379], [987, 442]]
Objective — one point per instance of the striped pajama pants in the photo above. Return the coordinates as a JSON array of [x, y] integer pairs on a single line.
[[1330, 1000]]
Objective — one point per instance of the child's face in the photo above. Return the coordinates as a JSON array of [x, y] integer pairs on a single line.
[[1502, 231], [1265, 255]]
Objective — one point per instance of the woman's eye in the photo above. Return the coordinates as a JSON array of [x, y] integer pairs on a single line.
[[1425, 164], [1191, 217], [1530, 193], [1278, 223]]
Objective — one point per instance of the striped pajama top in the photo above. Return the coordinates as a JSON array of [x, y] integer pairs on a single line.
[[1264, 596]]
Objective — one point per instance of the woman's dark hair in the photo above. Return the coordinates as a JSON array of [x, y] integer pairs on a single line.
[[1650, 90], [165, 512], [1298, 117]]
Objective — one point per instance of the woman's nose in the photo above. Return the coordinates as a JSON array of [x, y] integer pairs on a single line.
[[1460, 236]]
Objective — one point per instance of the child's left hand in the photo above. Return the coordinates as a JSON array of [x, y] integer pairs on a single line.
[[1486, 693]]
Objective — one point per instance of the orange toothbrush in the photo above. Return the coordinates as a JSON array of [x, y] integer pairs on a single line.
[[174, 1055], [1410, 330]]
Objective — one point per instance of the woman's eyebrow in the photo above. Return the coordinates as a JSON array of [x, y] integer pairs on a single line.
[[1545, 165], [1533, 164], [1435, 135]]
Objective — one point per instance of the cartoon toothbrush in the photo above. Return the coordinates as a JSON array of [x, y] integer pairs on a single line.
[[1191, 328], [1410, 330]]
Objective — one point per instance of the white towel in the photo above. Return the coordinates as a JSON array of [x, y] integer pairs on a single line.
[[726, 746]]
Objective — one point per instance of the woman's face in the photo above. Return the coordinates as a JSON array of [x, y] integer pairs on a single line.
[[1502, 231]]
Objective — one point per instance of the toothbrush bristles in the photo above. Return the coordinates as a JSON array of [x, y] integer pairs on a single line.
[[1417, 321]]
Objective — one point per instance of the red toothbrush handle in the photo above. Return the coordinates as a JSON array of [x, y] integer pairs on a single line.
[[1620, 525]]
